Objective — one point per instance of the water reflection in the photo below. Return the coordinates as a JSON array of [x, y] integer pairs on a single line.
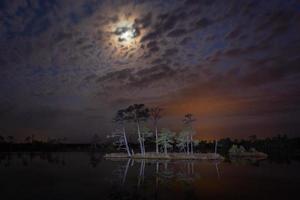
[[7, 159], [87, 175], [162, 171]]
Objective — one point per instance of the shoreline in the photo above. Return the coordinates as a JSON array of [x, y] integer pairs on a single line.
[[169, 156]]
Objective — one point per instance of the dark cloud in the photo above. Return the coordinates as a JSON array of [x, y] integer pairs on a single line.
[[236, 52], [202, 23], [170, 52], [151, 75], [90, 78], [157, 61], [153, 46], [143, 22], [165, 23], [121, 75], [274, 19], [62, 36], [150, 36], [235, 33], [185, 40], [177, 32]]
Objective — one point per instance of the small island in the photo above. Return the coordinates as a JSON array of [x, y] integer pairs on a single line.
[[240, 152], [180, 144]]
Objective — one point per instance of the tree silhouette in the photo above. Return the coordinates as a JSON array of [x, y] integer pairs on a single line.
[[165, 139], [138, 113], [155, 114], [252, 138], [188, 120], [120, 119], [145, 133], [182, 140]]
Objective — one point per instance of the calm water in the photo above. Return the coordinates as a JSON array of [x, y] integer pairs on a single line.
[[85, 176]]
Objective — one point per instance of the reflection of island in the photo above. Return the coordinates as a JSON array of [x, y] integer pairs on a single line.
[[165, 170]]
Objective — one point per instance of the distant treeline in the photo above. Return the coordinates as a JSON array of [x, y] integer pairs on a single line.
[[279, 145], [44, 147]]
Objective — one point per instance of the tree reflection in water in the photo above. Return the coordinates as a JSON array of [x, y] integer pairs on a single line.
[[156, 177], [164, 171]]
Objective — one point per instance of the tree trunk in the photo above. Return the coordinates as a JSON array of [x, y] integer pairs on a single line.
[[165, 148], [187, 145], [143, 141], [192, 151], [156, 138], [216, 146], [126, 143], [140, 138]]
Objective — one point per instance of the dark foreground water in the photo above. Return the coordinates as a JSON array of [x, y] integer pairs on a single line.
[[72, 176]]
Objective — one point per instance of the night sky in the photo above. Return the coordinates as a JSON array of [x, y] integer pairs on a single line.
[[67, 66]]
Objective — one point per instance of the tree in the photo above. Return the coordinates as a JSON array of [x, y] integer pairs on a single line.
[[155, 114], [234, 149], [216, 146], [120, 119], [181, 141], [120, 140], [145, 134], [196, 143], [30, 139], [165, 139], [138, 113], [188, 120]]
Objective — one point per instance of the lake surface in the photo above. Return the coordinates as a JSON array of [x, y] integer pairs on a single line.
[[72, 176]]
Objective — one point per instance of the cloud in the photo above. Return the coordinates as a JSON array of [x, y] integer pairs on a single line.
[[203, 23], [143, 22], [177, 32], [121, 75], [170, 52], [235, 33]]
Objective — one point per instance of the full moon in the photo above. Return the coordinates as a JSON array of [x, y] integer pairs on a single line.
[[125, 32]]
